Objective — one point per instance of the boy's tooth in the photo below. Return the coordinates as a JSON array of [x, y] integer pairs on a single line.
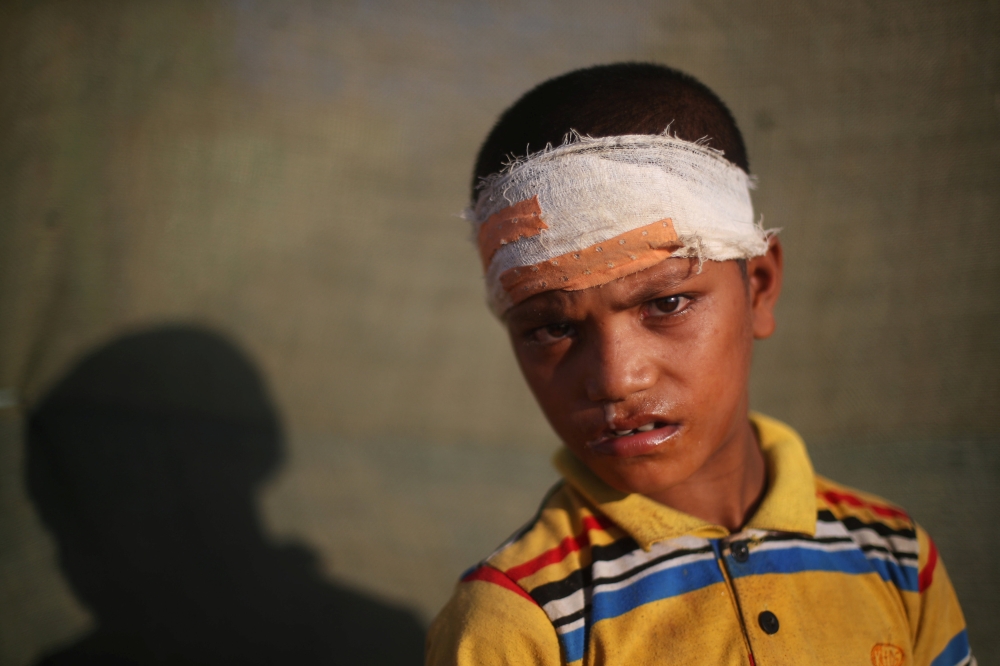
[[621, 433], [646, 428]]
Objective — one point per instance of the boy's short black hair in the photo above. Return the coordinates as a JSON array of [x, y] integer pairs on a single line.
[[610, 100]]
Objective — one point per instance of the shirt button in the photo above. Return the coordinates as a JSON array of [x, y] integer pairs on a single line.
[[741, 553], [768, 621]]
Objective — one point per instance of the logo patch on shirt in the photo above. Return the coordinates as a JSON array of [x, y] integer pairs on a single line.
[[887, 654]]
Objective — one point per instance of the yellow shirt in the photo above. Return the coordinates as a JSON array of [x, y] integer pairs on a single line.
[[821, 574]]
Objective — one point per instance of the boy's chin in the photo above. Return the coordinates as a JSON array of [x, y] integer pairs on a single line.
[[650, 475]]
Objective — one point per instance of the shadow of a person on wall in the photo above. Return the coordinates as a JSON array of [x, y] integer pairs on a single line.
[[144, 462]]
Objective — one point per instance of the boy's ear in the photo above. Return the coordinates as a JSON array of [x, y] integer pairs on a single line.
[[764, 277]]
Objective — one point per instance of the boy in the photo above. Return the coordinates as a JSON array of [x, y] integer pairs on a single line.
[[632, 279]]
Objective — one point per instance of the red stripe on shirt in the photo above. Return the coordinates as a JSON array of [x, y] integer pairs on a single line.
[[488, 574], [926, 576], [835, 497], [559, 553]]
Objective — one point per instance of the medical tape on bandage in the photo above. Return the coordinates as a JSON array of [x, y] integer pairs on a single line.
[[594, 210]]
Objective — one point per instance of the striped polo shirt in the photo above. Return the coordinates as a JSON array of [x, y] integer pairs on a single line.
[[821, 574]]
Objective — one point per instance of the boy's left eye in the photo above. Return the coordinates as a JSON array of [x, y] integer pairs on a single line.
[[668, 305], [551, 333]]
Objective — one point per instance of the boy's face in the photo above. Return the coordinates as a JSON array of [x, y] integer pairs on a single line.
[[645, 378]]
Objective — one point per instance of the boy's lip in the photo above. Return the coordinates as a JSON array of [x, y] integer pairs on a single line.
[[637, 442]]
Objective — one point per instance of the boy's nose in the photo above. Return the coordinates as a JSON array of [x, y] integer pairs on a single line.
[[619, 366]]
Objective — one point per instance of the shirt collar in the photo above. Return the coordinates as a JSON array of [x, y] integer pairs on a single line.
[[789, 504]]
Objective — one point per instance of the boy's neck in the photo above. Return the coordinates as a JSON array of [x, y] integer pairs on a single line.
[[728, 488]]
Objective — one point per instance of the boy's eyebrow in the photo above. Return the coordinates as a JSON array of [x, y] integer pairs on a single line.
[[547, 306], [649, 284], [663, 280]]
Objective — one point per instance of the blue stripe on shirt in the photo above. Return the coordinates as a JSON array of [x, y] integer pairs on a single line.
[[955, 652], [671, 582], [660, 585], [573, 644], [798, 560]]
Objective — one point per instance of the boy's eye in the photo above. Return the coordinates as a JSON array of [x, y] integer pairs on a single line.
[[551, 333], [668, 305]]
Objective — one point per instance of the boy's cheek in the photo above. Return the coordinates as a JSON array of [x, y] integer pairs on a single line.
[[539, 367]]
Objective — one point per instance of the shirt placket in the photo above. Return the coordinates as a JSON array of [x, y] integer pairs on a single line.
[[732, 554]]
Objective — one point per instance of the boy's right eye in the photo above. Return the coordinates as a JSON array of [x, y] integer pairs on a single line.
[[550, 333]]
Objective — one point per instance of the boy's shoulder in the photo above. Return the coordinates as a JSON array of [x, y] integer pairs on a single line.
[[558, 540], [845, 503]]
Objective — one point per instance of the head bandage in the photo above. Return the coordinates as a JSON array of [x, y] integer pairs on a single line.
[[593, 210]]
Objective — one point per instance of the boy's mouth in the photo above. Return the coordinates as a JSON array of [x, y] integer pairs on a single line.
[[642, 428], [637, 441]]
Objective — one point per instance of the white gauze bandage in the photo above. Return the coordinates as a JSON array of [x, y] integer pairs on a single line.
[[594, 210]]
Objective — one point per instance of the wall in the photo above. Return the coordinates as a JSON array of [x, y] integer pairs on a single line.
[[283, 178]]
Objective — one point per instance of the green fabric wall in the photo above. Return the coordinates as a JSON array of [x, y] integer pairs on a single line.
[[287, 175]]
